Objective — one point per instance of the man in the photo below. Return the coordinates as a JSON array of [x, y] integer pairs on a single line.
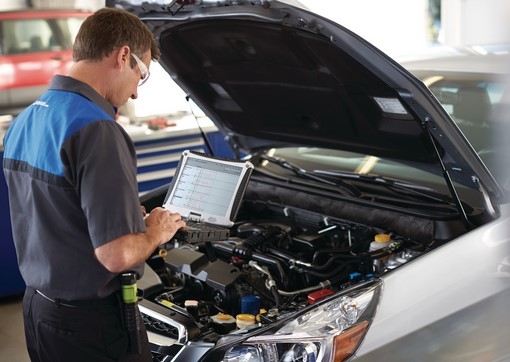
[[76, 218]]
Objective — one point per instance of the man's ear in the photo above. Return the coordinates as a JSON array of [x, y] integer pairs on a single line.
[[122, 57]]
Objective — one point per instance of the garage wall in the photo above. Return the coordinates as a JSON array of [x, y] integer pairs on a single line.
[[12, 4], [400, 27], [67, 4], [394, 26], [475, 22]]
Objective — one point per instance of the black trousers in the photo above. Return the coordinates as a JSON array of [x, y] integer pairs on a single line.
[[56, 332]]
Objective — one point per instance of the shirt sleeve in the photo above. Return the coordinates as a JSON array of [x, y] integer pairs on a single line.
[[102, 167]]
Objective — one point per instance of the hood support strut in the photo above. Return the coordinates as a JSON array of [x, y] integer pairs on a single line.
[[447, 177]]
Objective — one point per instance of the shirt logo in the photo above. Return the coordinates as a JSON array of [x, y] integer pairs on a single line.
[[41, 103]]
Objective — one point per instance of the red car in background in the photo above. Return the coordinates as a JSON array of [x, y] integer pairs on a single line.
[[34, 45]]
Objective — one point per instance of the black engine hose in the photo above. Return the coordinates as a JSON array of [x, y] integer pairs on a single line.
[[269, 234], [282, 254], [329, 275], [232, 250], [255, 240], [334, 258]]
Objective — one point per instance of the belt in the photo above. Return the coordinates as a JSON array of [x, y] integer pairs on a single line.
[[111, 300]]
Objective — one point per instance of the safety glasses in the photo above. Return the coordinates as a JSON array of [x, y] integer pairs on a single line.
[[144, 71]]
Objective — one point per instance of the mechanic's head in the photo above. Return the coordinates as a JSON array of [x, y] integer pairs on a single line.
[[112, 53], [109, 29]]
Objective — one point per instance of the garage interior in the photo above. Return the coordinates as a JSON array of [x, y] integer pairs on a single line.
[[395, 26]]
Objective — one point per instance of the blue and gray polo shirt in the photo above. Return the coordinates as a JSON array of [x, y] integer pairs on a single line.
[[71, 174]]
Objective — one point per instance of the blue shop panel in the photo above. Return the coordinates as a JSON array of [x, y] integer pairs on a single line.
[[157, 157], [11, 282]]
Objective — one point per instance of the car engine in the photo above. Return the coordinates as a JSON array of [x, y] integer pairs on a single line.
[[283, 254]]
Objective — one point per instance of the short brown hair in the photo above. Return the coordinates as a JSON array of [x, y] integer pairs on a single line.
[[110, 28]]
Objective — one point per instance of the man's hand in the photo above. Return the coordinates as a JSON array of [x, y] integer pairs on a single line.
[[162, 224], [130, 250]]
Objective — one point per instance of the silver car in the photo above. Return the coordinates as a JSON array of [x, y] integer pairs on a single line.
[[370, 228]]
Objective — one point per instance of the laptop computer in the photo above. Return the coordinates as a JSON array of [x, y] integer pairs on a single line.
[[207, 191]]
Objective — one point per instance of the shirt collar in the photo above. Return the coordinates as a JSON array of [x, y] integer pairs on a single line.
[[66, 83]]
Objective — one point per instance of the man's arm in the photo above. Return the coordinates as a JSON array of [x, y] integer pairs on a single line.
[[131, 250]]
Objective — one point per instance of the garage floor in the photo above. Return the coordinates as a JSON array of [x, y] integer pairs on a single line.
[[12, 338]]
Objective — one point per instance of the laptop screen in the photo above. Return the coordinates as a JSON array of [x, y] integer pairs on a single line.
[[208, 189]]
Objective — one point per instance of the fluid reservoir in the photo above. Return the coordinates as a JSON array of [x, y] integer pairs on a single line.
[[244, 320], [380, 241], [223, 323]]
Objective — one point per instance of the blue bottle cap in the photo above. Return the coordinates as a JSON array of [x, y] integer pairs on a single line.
[[250, 304]]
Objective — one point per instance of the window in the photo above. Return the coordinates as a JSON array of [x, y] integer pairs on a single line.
[[37, 35]]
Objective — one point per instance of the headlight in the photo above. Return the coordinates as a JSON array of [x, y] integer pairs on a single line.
[[330, 331]]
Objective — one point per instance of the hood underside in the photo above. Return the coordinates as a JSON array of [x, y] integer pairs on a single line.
[[274, 75], [267, 82]]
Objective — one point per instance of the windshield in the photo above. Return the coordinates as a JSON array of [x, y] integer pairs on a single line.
[[359, 170]]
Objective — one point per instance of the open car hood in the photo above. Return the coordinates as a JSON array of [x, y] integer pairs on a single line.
[[269, 74]]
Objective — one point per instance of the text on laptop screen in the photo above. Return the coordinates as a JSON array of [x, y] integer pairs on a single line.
[[205, 186]]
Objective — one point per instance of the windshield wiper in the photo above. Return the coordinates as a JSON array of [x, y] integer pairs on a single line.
[[301, 172], [416, 190]]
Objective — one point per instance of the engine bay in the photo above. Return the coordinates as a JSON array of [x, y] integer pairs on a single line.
[[280, 257]]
